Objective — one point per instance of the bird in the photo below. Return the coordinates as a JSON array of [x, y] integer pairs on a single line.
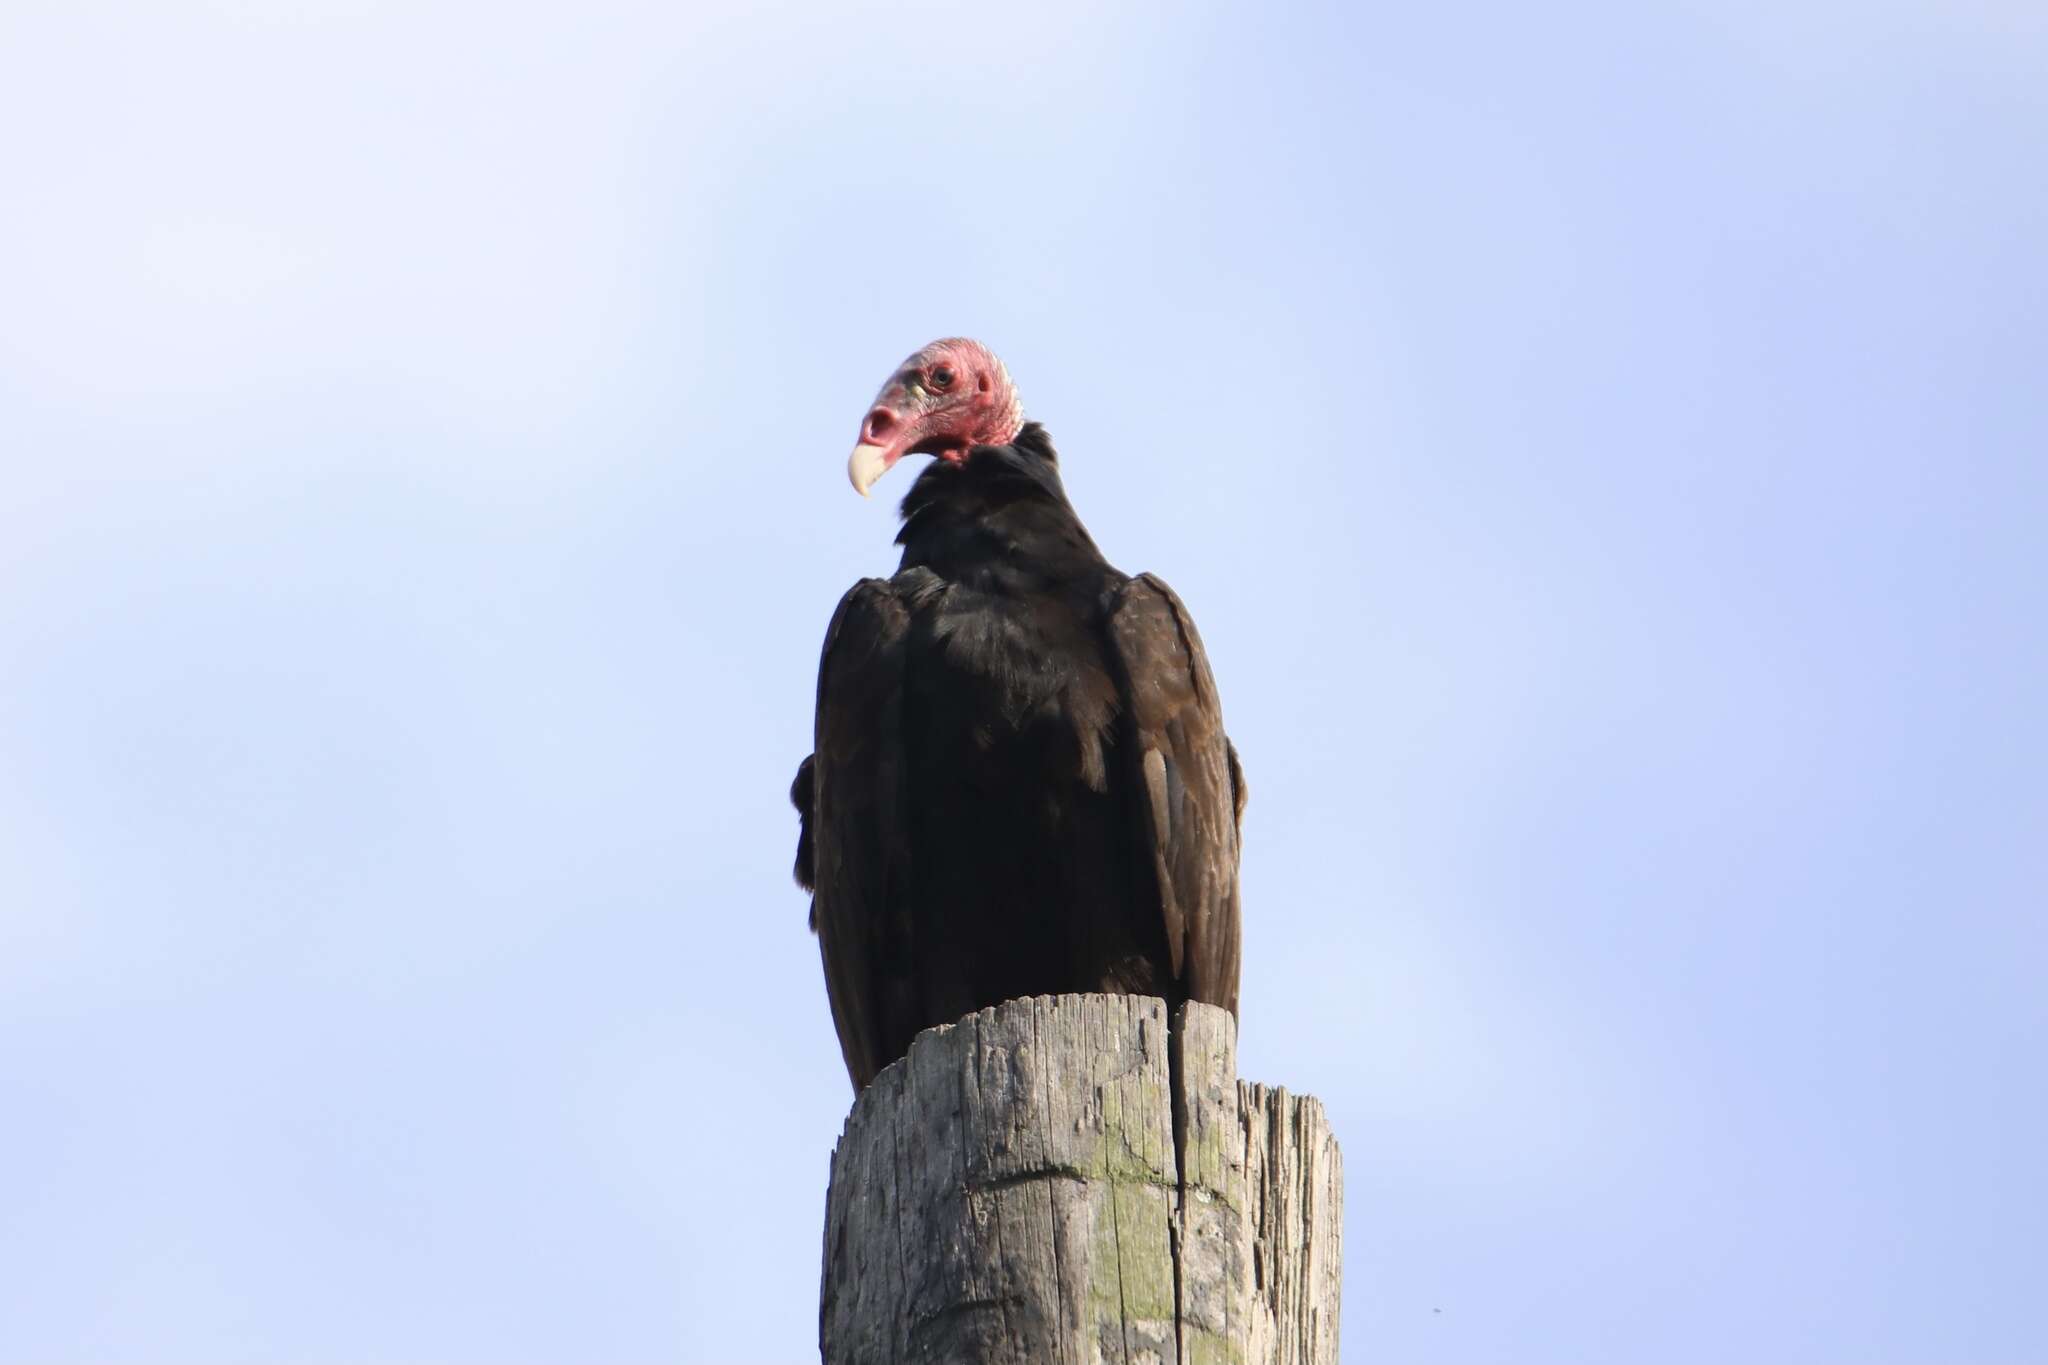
[[1020, 783]]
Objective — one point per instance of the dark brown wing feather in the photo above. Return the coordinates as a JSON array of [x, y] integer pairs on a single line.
[[1192, 786], [802, 796], [853, 845]]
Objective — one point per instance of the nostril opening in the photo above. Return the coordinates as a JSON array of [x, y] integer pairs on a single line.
[[879, 424]]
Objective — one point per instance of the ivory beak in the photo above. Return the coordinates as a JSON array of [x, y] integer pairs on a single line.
[[866, 464]]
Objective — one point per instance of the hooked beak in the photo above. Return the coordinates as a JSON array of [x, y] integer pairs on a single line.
[[885, 433], [868, 463]]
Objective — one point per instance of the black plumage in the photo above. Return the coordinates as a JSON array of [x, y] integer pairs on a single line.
[[1021, 784]]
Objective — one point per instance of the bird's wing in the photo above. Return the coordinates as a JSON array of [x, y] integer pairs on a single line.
[[1192, 785], [801, 795], [855, 836]]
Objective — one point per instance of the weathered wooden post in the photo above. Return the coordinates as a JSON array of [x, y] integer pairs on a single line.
[[1062, 1179]]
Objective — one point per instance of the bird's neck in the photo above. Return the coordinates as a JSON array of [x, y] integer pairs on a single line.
[[1000, 515]]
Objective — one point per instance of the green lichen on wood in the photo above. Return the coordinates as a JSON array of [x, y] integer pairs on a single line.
[[1145, 1239], [1202, 1347], [1209, 1165], [1131, 1253], [1133, 1152]]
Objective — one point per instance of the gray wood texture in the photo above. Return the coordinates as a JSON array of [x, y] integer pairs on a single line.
[[1066, 1179]]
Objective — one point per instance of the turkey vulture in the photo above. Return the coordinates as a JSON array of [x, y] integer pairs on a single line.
[[1020, 783]]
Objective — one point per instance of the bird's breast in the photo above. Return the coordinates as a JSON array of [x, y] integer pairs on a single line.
[[1017, 686]]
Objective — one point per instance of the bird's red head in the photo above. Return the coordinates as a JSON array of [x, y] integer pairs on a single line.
[[949, 396]]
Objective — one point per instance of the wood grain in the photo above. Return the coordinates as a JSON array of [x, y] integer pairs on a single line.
[[1012, 1191]]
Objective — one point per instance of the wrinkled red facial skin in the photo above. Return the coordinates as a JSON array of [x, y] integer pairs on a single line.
[[951, 395]]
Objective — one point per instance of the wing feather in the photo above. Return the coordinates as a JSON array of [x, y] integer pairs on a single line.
[[854, 837], [1192, 785]]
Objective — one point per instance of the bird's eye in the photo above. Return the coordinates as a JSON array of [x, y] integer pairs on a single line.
[[942, 378]]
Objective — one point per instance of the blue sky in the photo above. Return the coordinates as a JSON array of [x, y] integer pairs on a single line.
[[1602, 444]]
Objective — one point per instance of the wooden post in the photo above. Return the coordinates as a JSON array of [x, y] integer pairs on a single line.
[[1061, 1179]]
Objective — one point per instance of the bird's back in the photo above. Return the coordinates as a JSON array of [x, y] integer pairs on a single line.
[[1022, 853]]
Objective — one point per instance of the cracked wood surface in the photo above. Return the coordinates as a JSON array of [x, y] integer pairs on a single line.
[[1012, 1192]]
